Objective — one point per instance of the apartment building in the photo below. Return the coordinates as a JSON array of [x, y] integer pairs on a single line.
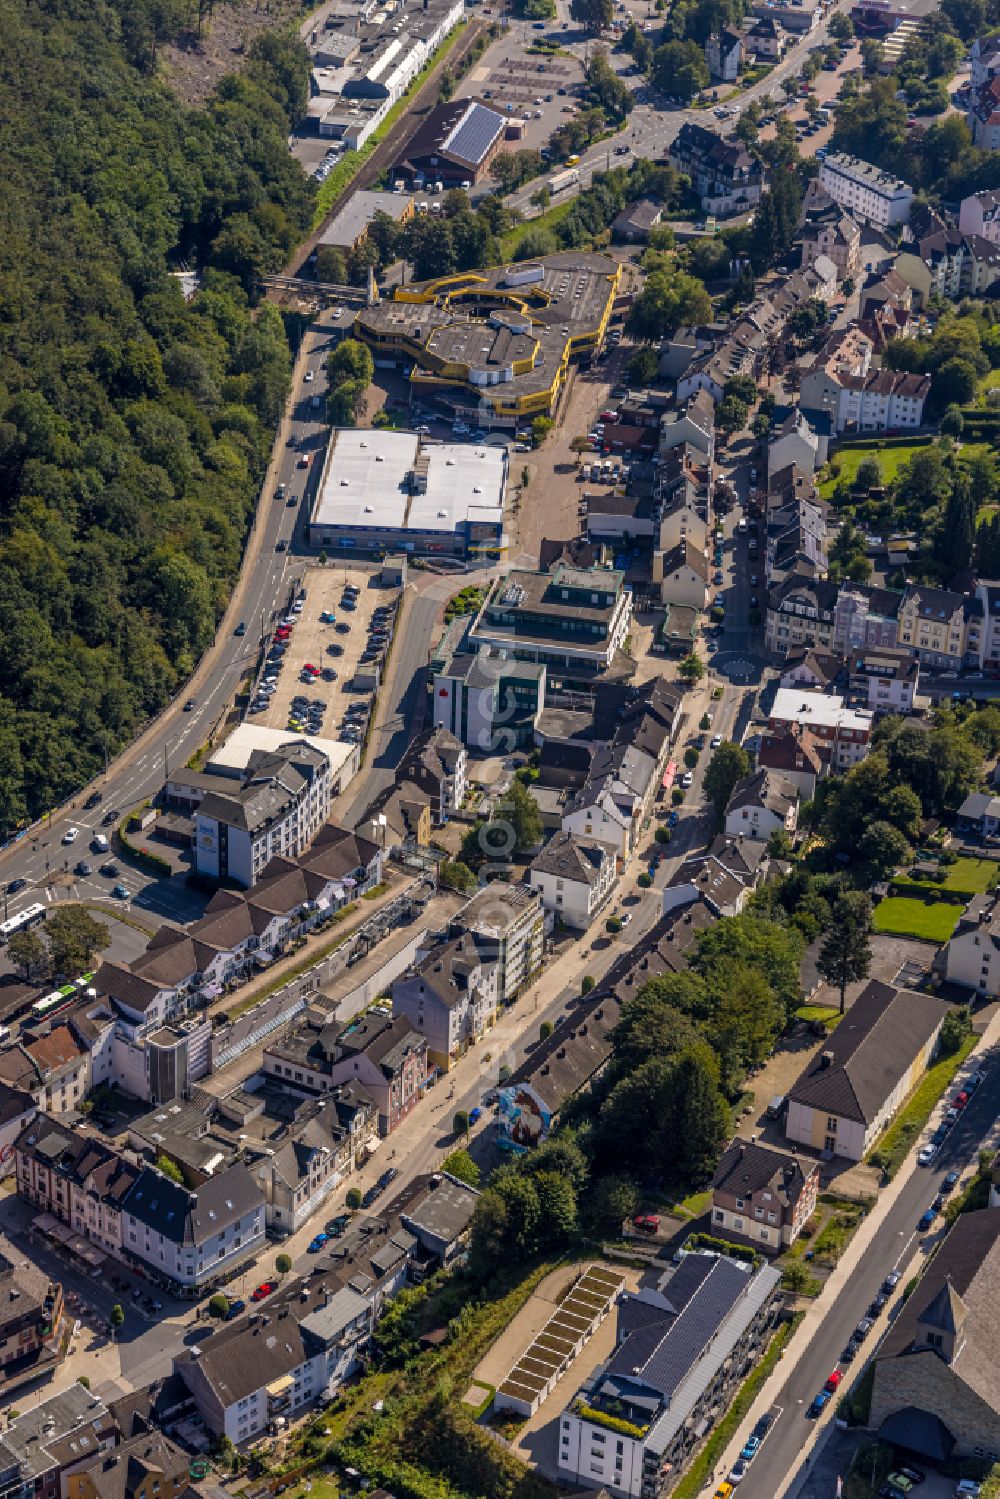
[[800, 614], [274, 812], [762, 803], [31, 1320], [682, 1347], [49, 1440], [972, 957], [450, 997], [865, 617], [847, 731], [979, 214], [763, 1196], [489, 702], [76, 1179], [887, 681], [835, 235], [574, 877], [869, 194], [148, 1466], [945, 630], [194, 1239], [727, 178], [988, 594], [507, 925], [436, 763], [54, 1070]]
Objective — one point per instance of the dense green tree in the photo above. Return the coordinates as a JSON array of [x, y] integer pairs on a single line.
[[605, 87], [679, 69], [594, 15], [668, 299], [643, 366], [729, 763], [74, 937], [845, 956], [461, 1165], [883, 848], [772, 949], [28, 953], [169, 1168], [731, 415]]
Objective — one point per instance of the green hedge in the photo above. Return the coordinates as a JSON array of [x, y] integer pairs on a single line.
[[613, 1423], [903, 885]]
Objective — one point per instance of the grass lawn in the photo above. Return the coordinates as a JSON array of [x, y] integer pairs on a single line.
[[889, 460], [693, 1206], [905, 916], [892, 1149], [829, 1015], [547, 220], [319, 1488], [976, 875]]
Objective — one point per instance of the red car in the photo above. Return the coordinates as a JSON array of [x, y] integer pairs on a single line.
[[264, 1289], [960, 1100], [647, 1223], [833, 1381]]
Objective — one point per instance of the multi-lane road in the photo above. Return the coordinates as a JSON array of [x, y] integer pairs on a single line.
[[262, 591]]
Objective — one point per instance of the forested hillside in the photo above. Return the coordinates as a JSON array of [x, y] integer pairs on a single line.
[[134, 428]]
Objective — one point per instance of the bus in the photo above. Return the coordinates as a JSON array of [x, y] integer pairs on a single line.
[[30, 916], [59, 999]]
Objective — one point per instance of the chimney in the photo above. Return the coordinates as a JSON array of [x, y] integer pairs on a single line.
[[825, 1059]]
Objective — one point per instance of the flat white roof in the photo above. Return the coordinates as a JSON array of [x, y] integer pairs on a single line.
[[235, 754], [825, 709], [365, 483]]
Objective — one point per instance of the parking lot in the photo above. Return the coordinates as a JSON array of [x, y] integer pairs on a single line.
[[309, 682], [536, 91]]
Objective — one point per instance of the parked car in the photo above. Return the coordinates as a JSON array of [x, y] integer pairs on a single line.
[[235, 1307], [950, 1182], [892, 1280], [926, 1219], [647, 1223], [750, 1448], [316, 1244], [120, 892], [863, 1328], [833, 1381], [264, 1290], [818, 1406], [336, 1226]]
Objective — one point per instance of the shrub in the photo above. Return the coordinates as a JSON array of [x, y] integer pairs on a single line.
[[218, 1305], [587, 984], [613, 925], [662, 835], [644, 881], [677, 796], [690, 757], [353, 1199], [283, 1264], [545, 1030]]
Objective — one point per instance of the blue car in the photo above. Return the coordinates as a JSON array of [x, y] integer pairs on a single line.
[[475, 1115], [235, 1307], [317, 1244], [926, 1220], [673, 819], [819, 1405], [751, 1448]]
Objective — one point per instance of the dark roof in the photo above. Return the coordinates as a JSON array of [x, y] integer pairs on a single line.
[[463, 130], [919, 1432], [573, 858], [746, 1168], [121, 1472], [186, 1217], [869, 1052]]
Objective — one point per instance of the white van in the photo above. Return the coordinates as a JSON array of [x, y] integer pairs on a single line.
[[585, 472], [99, 843]]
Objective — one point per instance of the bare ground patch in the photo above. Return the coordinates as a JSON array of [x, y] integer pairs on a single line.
[[193, 65]]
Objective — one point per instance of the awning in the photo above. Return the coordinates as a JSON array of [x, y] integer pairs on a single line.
[[669, 775], [212, 991], [918, 1431], [280, 1386]]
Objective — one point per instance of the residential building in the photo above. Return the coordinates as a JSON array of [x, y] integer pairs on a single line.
[[842, 384], [766, 39], [983, 115], [762, 803], [633, 224], [944, 629], [724, 54], [489, 702], [574, 877], [815, 669], [980, 215], [436, 764], [763, 1196], [385, 1055], [800, 614], [194, 1239], [935, 1391], [77, 1180], [54, 1069], [798, 756], [691, 426], [613, 803], [972, 957], [439, 1218], [727, 178], [865, 617], [721, 880], [450, 997], [980, 813], [16, 1110], [870, 195], [682, 520], [887, 681], [31, 1321], [984, 58], [315, 1152], [790, 15], [835, 235], [149, 1466], [51, 1438], [507, 925], [796, 441], [848, 1094], [988, 594], [682, 1347], [275, 812], [574, 619], [454, 144], [684, 577], [846, 730]]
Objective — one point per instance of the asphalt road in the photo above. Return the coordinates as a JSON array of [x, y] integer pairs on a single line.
[[897, 1244], [259, 598]]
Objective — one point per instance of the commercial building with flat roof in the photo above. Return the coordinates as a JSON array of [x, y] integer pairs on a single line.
[[869, 194], [572, 617], [385, 491], [496, 343], [350, 226]]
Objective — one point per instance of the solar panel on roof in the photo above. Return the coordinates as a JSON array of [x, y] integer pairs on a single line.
[[474, 134]]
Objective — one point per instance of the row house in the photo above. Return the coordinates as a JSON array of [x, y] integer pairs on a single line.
[[507, 925], [692, 424], [78, 1180], [316, 1153], [795, 440], [762, 803], [724, 174], [386, 1056], [846, 730], [800, 613], [54, 1070], [949, 264], [450, 997], [944, 629], [834, 234], [574, 877], [865, 616]]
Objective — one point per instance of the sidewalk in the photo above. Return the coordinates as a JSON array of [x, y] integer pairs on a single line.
[[820, 1308]]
